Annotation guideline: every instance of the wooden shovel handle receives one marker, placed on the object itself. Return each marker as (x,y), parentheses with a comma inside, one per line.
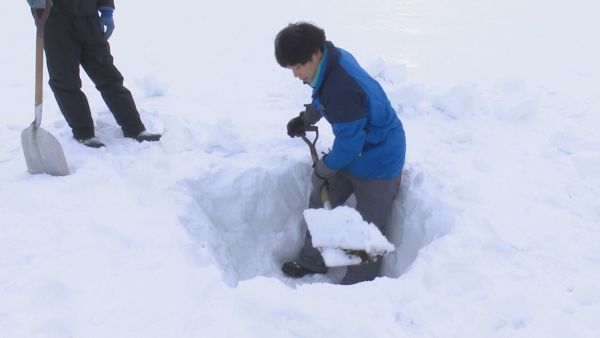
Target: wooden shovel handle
(40,16)
(39,70)
(312,144)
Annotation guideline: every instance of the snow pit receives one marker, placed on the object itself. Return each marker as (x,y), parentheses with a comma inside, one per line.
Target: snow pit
(251,220)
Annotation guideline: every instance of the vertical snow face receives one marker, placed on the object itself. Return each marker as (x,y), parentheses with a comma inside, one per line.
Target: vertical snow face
(417,219)
(249,218)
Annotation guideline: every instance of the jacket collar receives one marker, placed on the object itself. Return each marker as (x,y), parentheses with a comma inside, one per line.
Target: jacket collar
(330,57)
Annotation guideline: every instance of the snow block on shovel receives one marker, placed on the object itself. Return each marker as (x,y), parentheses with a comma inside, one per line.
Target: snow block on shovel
(340,232)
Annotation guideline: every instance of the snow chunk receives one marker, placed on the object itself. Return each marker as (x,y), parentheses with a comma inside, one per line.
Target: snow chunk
(514,101)
(343,228)
(335,257)
(151,87)
(224,139)
(462,102)
(393,74)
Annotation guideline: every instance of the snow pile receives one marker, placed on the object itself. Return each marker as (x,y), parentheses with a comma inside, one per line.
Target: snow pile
(340,229)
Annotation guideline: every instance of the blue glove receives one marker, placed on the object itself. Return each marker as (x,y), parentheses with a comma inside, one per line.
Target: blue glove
(37,4)
(106,20)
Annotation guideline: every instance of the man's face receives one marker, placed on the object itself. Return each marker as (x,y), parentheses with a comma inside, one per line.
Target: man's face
(306,72)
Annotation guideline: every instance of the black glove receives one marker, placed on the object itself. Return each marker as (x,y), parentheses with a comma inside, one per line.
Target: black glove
(296,126)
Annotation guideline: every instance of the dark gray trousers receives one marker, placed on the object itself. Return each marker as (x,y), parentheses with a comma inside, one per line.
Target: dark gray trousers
(71,41)
(374,200)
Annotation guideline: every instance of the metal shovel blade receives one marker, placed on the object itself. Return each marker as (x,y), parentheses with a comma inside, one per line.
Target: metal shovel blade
(43,153)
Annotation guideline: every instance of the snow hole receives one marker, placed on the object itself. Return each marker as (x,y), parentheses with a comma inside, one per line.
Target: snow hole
(250,220)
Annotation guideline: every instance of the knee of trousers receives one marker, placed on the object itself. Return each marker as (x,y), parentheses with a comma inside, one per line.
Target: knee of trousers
(314,201)
(65,85)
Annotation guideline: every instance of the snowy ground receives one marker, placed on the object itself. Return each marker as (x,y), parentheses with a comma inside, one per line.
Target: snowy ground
(498,222)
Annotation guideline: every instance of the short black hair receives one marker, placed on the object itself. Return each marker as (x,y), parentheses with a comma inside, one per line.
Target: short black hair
(296,43)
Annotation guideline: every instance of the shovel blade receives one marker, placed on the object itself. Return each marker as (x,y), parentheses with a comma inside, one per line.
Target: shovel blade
(43,153)
(31,151)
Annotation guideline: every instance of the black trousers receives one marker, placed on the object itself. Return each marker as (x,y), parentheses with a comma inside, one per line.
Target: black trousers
(71,41)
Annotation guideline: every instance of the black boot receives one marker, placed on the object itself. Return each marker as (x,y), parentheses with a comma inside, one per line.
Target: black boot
(295,270)
(145,136)
(91,142)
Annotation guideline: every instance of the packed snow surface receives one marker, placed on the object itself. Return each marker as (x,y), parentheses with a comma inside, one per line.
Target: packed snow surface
(497,222)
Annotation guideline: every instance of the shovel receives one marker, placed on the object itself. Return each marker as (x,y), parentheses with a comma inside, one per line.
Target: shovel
(343,248)
(43,153)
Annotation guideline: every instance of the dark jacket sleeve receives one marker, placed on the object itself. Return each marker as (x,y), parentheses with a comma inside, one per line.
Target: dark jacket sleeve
(344,103)
(106,3)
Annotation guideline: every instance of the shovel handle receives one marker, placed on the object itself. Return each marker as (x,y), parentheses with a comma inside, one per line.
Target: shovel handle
(315,158)
(39,70)
(312,144)
(40,16)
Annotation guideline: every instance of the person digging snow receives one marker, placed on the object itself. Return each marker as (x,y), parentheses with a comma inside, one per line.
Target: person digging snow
(75,34)
(368,151)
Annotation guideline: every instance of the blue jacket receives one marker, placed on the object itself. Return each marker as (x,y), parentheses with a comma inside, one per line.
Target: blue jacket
(369,138)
